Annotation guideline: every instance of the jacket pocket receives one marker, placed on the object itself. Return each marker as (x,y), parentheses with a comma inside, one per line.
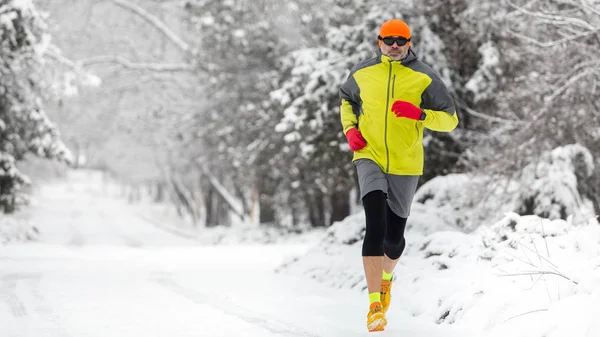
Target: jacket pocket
(419,130)
(403,134)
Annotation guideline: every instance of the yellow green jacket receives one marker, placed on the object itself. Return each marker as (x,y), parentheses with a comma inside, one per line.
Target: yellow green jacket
(395,144)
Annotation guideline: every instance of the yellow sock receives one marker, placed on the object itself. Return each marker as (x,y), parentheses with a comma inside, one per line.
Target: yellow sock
(374,297)
(386,276)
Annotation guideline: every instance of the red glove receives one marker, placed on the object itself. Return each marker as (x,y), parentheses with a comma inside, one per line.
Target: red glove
(407,110)
(355,139)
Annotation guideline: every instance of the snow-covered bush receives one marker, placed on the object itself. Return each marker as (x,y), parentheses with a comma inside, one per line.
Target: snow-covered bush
(12,230)
(548,188)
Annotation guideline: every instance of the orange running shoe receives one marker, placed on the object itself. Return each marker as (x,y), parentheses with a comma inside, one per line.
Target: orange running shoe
(376,318)
(386,289)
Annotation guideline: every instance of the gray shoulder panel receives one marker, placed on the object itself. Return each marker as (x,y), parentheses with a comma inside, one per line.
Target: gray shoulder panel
(421,67)
(436,95)
(366,63)
(350,91)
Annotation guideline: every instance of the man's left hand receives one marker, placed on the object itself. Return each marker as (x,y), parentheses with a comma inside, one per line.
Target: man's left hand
(407,110)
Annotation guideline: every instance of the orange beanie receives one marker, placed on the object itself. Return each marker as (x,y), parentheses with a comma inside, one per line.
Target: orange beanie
(394,27)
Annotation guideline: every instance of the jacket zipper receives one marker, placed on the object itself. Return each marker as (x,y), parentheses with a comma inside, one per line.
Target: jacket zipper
(387,106)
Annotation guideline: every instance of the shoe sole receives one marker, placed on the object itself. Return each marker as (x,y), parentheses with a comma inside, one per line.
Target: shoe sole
(377,325)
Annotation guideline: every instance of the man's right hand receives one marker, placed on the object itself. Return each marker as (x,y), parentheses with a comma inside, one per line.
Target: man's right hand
(355,139)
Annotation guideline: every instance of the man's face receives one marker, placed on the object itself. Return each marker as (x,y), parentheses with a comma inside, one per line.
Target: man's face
(395,51)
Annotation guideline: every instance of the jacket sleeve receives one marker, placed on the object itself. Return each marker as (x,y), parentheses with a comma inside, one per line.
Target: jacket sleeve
(438,107)
(351,103)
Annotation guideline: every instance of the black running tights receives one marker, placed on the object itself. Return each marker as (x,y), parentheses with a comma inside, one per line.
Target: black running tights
(385,229)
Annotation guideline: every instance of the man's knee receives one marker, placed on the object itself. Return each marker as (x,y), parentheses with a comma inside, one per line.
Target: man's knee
(394,249)
(394,242)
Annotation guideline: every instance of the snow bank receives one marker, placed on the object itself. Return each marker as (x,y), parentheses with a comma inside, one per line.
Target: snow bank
(547,188)
(545,270)
(12,230)
(472,260)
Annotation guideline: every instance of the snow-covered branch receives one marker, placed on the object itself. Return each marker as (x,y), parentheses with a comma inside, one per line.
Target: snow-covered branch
(472,112)
(235,205)
(136,66)
(570,82)
(59,58)
(157,67)
(589,8)
(554,43)
(156,23)
(554,19)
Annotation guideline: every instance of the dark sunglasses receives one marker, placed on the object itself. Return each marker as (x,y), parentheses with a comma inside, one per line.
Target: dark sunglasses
(389,40)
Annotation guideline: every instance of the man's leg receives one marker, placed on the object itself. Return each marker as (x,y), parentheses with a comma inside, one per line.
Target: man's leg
(372,251)
(394,242)
(388,266)
(375,206)
(373,191)
(401,192)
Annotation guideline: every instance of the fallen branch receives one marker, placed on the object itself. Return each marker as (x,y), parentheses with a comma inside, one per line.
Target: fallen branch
(545,259)
(541,272)
(525,313)
(232,201)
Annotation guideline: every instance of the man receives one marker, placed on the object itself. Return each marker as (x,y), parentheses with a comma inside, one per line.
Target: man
(387,101)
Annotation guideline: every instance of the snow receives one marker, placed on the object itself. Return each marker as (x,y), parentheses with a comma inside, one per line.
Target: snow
(99,269)
(100,266)
(483,280)
(547,188)
(485,80)
(15,230)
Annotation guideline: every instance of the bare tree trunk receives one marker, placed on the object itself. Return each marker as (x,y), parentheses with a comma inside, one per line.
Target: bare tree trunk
(211,216)
(159,194)
(316,208)
(266,197)
(340,204)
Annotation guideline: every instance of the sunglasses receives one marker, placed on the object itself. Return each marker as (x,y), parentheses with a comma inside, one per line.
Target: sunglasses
(389,40)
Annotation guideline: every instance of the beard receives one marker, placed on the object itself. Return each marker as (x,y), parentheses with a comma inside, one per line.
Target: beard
(397,54)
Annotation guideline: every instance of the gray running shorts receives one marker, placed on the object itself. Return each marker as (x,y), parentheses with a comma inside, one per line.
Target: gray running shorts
(400,189)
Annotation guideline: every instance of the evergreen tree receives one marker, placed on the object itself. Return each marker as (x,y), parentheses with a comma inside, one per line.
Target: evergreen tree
(24,126)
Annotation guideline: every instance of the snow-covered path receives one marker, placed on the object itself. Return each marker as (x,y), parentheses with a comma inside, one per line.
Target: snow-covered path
(101,270)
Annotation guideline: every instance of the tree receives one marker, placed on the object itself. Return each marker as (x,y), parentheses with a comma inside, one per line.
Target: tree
(24,126)
(542,83)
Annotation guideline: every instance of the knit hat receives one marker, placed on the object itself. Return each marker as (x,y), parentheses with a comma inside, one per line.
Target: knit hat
(394,27)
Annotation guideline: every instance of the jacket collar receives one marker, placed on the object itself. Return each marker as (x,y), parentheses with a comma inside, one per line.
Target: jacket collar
(410,56)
